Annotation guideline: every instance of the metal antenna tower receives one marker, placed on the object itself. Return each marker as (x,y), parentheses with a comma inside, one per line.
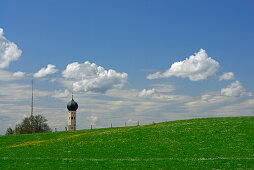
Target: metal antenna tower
(32,102)
(32,107)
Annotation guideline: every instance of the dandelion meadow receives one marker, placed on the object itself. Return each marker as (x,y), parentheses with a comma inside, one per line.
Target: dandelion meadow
(207,143)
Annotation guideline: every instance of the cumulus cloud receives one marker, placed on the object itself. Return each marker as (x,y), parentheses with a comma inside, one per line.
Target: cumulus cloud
(61,94)
(8,51)
(145,93)
(50,69)
(227,76)
(217,98)
(196,67)
(235,89)
(19,74)
(90,77)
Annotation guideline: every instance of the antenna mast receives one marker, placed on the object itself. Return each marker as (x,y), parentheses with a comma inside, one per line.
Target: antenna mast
(32,102)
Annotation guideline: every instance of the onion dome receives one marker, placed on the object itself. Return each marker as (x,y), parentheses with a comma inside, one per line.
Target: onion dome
(72,105)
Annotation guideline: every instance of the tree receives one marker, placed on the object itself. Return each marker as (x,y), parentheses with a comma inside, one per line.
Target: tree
(40,124)
(32,124)
(9,131)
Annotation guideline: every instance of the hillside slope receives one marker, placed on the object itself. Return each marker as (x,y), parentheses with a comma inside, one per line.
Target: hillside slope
(196,143)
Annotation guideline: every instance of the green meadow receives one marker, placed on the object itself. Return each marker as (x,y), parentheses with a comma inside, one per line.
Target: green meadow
(206,143)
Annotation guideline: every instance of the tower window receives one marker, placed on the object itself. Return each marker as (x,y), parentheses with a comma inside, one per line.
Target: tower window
(71,117)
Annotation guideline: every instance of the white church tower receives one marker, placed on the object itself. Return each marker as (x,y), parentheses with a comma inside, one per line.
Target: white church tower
(72,106)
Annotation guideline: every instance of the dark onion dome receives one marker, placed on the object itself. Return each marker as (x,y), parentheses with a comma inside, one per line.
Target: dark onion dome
(72,105)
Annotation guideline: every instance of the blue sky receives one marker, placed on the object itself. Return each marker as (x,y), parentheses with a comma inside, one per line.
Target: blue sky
(135,39)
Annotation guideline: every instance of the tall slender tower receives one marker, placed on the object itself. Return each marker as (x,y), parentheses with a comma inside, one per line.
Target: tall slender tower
(32,108)
(32,101)
(72,107)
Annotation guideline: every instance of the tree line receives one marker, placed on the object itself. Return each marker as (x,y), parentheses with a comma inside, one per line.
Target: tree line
(31,124)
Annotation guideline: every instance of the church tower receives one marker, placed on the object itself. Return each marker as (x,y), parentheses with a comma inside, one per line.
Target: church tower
(72,107)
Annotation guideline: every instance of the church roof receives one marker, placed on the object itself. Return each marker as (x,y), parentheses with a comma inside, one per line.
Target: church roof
(72,105)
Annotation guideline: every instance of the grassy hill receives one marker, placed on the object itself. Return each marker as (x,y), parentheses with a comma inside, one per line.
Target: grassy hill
(186,144)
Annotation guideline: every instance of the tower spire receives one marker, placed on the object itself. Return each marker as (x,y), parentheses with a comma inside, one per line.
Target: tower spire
(32,102)
(72,107)
(72,95)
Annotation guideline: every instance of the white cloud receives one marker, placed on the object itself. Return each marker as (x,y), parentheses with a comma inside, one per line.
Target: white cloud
(8,51)
(217,98)
(164,88)
(93,118)
(196,67)
(60,94)
(204,102)
(90,77)
(50,69)
(19,74)
(235,89)
(227,76)
(9,76)
(244,108)
(145,93)
(18,92)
